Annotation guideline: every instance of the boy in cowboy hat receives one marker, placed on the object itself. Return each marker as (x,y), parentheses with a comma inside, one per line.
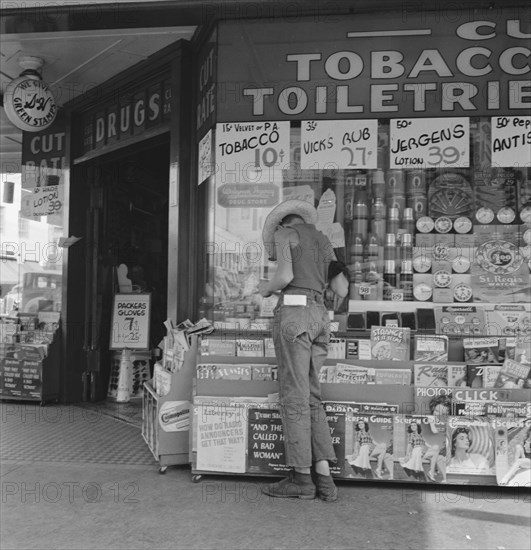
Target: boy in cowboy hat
(301,335)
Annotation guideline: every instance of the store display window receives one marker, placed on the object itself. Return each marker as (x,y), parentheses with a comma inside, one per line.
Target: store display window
(421,210)
(32,214)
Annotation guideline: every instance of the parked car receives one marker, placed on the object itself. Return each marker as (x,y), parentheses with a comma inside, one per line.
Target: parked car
(39,291)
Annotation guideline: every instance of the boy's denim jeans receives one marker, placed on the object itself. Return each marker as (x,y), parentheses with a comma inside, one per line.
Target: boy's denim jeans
(301,335)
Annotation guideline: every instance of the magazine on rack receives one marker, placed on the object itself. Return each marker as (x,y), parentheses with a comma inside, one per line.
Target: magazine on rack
(493,409)
(221,371)
(481,350)
(369,446)
(513,452)
(266,452)
(391,343)
(470,447)
(482,376)
(427,374)
(432,348)
(514,375)
(336,415)
(420,448)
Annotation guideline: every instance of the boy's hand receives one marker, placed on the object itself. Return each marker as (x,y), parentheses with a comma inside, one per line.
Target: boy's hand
(263,288)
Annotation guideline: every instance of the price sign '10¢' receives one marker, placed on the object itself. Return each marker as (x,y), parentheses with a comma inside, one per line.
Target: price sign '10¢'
(339,144)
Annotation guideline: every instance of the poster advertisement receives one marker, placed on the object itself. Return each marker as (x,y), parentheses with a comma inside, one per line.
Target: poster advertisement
(130,321)
(511,141)
(221,438)
(430,143)
(339,144)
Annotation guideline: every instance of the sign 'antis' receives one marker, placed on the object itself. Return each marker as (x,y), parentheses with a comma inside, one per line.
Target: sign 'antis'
(511,141)
(430,143)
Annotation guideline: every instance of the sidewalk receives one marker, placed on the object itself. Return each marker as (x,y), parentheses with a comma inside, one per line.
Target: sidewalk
(74,478)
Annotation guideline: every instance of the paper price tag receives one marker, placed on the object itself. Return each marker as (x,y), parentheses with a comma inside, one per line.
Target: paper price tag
(397,296)
(365,290)
(430,143)
(339,144)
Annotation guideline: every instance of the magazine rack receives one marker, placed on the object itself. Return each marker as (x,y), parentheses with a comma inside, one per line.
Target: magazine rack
(226,394)
(166,418)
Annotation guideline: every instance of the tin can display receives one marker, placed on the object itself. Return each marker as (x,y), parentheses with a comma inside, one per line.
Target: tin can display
(419,204)
(397,201)
(395,182)
(415,182)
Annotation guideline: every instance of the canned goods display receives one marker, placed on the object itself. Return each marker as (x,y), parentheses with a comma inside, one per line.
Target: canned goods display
(415,182)
(395,182)
(419,204)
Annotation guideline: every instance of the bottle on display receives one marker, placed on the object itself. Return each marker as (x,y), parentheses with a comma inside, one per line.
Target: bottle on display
(356,249)
(408,221)
(360,214)
(378,215)
(406,279)
(349,200)
(356,278)
(372,248)
(378,185)
(406,247)
(389,278)
(390,247)
(393,220)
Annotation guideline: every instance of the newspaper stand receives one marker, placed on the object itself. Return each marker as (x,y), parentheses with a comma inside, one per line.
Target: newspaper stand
(168,441)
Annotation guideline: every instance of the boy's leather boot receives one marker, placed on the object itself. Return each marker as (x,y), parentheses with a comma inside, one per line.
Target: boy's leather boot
(326,488)
(296,485)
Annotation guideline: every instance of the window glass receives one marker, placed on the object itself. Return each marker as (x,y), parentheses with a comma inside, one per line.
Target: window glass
(32,216)
(432,235)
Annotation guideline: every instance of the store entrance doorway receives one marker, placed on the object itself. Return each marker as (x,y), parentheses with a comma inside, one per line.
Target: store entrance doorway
(126,228)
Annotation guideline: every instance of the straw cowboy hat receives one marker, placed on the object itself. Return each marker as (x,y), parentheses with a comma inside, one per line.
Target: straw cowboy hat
(304,209)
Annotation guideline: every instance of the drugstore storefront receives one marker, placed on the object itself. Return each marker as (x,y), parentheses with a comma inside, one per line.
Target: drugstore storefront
(409,132)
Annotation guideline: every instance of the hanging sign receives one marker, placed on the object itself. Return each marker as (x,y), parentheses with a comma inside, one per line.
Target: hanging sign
(43,201)
(429,143)
(511,141)
(130,321)
(339,144)
(29,104)
(251,152)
